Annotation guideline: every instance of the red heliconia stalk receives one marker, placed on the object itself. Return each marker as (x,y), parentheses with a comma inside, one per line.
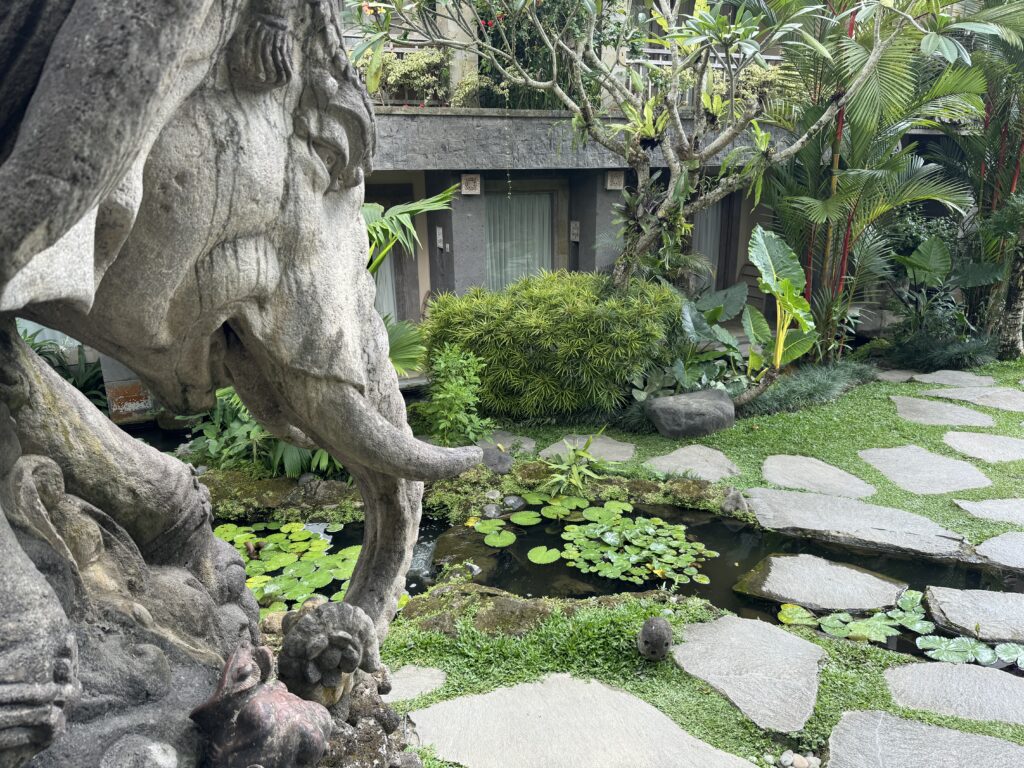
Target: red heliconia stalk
(999,167)
(844,262)
(981,185)
(1016,170)
(809,269)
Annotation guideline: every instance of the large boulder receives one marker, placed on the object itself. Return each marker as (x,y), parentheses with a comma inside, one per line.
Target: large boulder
(691,414)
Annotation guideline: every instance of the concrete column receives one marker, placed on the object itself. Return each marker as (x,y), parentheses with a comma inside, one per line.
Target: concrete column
(463,64)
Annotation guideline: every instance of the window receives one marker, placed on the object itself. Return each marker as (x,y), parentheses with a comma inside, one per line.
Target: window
(520,238)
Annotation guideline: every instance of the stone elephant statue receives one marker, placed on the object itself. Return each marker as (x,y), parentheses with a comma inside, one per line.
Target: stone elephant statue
(180,188)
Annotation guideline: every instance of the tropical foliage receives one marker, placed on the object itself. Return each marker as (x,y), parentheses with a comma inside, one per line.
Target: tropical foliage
(450,414)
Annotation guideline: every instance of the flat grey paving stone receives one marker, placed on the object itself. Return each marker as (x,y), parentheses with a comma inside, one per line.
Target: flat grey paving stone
(602,447)
(1002,398)
(411,681)
(855,523)
(914,469)
(920,411)
(895,375)
(990,448)
(509,441)
(697,460)
(770,674)
(562,722)
(961,690)
(995,617)
(807,474)
(1005,551)
(820,585)
(871,739)
(954,379)
(1003,510)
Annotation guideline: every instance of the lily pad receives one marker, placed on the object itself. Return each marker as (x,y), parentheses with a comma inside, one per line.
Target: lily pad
(499,539)
(599,514)
(556,512)
(536,498)
(543,555)
(957,650)
(334,528)
(790,613)
(526,517)
(1011,652)
(489,526)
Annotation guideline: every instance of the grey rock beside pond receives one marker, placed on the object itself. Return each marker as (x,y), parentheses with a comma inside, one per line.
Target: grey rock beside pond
(770,674)
(960,690)
(855,523)
(807,474)
(1005,551)
(691,414)
(995,617)
(871,739)
(820,585)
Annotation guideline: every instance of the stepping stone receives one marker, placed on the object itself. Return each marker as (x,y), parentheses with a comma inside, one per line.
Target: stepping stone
(921,411)
(896,376)
(872,739)
(1003,510)
(602,447)
(807,474)
(854,523)
(990,448)
(698,460)
(960,690)
(1005,551)
(770,674)
(954,379)
(411,681)
(560,722)
(820,585)
(995,617)
(509,441)
(1002,398)
(914,469)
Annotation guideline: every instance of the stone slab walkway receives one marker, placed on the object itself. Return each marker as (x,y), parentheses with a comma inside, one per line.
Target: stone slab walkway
(1001,398)
(852,522)
(995,617)
(990,448)
(914,469)
(1002,510)
(954,379)
(961,690)
(411,681)
(509,441)
(807,474)
(562,722)
(700,461)
(820,585)
(602,447)
(895,375)
(932,412)
(879,740)
(770,674)
(1005,551)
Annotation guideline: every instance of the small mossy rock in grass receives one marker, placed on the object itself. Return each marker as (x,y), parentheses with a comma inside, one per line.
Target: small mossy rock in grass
(654,639)
(513,503)
(691,414)
(494,610)
(508,615)
(496,459)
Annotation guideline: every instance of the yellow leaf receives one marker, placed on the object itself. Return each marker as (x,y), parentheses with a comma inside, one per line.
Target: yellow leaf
(472,522)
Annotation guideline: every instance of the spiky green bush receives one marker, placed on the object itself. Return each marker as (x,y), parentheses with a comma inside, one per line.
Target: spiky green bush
(558,343)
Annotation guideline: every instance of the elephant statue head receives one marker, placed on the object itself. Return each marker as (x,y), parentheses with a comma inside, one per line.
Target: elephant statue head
(226,246)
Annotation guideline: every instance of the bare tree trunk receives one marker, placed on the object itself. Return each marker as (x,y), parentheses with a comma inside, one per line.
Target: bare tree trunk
(757,390)
(1011,342)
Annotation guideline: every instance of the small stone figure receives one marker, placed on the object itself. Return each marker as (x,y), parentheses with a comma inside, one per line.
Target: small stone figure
(654,639)
(249,721)
(324,644)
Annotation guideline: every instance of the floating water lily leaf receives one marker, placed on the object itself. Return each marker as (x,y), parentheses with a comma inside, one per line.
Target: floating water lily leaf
(489,526)
(618,506)
(877,629)
(700,578)
(225,531)
(298,594)
(292,527)
(556,512)
(255,567)
(599,514)
(279,560)
(500,539)
(570,502)
(277,607)
(543,555)
(318,580)
(1011,652)
(956,650)
(835,624)
(791,613)
(257,581)
(344,571)
(471,522)
(536,498)
(526,517)
(302,535)
(334,527)
(338,596)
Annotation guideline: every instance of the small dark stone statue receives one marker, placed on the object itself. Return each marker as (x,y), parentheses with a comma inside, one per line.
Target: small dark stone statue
(654,639)
(249,721)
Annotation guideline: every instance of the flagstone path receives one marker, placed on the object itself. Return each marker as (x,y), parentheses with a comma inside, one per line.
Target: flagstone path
(914,469)
(601,447)
(808,474)
(697,460)
(919,411)
(961,690)
(411,681)
(995,617)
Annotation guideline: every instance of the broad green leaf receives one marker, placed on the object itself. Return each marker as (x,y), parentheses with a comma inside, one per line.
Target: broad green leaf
(755,326)
(956,650)
(775,261)
(729,302)
(555,512)
(543,555)
(489,526)
(798,343)
(526,517)
(790,613)
(500,539)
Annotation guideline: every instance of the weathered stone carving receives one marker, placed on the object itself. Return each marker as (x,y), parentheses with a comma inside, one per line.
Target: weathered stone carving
(180,188)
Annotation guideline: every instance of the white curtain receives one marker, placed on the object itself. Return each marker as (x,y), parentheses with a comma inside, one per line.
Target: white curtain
(385,302)
(519,238)
(707,237)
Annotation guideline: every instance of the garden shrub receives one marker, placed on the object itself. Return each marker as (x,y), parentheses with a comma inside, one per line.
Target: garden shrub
(450,415)
(558,343)
(928,351)
(809,385)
